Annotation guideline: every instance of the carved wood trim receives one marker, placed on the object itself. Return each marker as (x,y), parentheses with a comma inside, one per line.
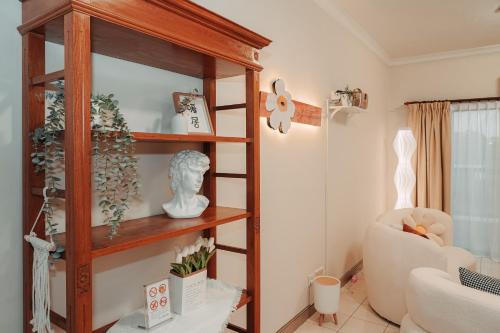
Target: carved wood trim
(83,279)
(182,8)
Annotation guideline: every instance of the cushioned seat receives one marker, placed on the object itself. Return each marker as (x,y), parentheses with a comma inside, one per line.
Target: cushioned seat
(389,255)
(437,304)
(458,257)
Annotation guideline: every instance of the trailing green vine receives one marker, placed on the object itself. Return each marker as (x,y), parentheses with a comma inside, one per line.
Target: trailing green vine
(115,166)
(48,151)
(114,163)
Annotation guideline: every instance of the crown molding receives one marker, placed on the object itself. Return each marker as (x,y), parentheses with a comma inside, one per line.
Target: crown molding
(445,55)
(348,23)
(351,25)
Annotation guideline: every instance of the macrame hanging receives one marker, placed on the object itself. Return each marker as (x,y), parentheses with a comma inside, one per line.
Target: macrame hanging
(40,295)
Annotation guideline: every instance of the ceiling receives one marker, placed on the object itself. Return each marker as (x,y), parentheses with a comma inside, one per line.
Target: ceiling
(403,29)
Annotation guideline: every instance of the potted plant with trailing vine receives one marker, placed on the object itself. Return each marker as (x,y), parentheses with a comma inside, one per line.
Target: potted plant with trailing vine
(114,164)
(188,275)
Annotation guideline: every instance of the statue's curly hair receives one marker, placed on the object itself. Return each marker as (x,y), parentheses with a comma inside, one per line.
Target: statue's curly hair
(184,159)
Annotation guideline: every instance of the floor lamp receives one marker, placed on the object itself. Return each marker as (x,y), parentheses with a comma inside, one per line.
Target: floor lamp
(404,145)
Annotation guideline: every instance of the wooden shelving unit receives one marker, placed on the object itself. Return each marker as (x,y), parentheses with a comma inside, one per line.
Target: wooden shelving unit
(175,35)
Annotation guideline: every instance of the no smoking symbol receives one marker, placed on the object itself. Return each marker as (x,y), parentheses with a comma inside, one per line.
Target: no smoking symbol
(153,291)
(154,305)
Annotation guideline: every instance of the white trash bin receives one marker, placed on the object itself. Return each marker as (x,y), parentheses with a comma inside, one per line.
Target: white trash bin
(326,290)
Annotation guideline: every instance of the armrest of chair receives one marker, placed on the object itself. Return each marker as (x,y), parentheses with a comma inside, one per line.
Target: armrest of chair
(439,305)
(401,251)
(389,255)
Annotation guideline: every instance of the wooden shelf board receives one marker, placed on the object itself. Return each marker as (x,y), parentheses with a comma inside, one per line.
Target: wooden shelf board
(168,137)
(165,137)
(147,230)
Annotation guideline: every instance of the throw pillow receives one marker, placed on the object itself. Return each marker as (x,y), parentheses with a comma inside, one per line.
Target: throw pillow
(479,281)
(407,228)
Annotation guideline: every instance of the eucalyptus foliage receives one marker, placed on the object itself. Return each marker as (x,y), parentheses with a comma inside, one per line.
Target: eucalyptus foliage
(48,151)
(115,166)
(114,163)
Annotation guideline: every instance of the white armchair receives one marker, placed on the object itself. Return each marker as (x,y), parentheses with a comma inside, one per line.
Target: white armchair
(438,304)
(389,255)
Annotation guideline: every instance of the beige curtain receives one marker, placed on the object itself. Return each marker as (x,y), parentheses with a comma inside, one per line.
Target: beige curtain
(431,126)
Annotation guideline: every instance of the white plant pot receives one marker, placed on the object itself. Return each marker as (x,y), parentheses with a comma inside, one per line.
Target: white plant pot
(326,291)
(187,293)
(179,124)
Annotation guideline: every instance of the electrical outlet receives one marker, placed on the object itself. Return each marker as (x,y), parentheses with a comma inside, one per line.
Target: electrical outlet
(317,272)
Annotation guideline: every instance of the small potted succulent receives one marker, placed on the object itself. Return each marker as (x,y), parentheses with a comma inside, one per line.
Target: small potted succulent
(188,275)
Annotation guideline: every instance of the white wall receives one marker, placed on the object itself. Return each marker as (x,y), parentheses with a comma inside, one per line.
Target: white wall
(465,77)
(302,227)
(10,169)
(314,55)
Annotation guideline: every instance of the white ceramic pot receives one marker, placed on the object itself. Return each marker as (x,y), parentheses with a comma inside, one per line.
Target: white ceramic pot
(326,291)
(187,293)
(179,123)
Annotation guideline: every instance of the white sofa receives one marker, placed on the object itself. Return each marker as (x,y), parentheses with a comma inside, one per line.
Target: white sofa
(389,255)
(438,304)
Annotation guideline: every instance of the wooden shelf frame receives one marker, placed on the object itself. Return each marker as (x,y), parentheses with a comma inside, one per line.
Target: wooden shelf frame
(175,35)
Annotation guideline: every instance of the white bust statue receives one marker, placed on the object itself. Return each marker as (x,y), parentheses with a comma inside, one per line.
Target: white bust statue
(186,173)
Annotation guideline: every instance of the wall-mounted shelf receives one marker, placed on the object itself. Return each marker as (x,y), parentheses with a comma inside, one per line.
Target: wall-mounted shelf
(350,101)
(350,110)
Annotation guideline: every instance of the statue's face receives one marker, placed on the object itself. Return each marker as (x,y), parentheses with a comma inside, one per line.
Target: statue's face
(192,180)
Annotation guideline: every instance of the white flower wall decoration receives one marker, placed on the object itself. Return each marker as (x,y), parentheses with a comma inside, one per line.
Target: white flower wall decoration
(281,106)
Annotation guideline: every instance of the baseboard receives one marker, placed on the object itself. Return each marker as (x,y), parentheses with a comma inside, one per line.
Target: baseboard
(298,320)
(309,310)
(346,277)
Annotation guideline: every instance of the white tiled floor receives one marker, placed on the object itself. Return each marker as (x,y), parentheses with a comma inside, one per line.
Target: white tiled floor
(355,315)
